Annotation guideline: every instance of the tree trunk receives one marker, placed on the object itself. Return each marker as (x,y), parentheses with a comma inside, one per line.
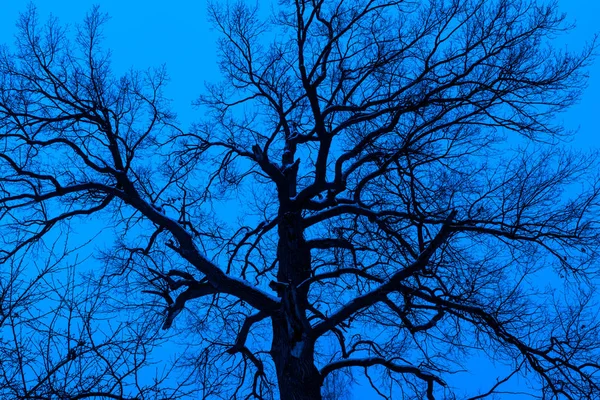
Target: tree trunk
(292,350)
(298,377)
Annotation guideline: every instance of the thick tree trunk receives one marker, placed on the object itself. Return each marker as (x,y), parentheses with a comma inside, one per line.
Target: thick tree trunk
(297,375)
(292,350)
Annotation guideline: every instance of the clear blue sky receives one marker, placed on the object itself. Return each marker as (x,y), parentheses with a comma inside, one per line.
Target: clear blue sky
(144,34)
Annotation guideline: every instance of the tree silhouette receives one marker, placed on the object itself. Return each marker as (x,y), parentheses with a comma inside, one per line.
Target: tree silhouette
(376,188)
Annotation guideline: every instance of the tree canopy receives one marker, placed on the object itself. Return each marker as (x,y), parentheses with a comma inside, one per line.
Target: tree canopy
(375,190)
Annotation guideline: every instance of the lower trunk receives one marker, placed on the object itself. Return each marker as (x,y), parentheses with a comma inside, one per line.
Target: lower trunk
(297,375)
(292,351)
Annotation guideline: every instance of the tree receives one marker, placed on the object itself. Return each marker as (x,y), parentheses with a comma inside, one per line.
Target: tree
(405,197)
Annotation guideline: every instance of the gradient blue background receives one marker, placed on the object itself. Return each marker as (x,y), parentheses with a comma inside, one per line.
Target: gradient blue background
(176,33)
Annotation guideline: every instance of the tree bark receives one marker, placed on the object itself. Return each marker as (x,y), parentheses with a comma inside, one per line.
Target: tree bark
(297,376)
(292,349)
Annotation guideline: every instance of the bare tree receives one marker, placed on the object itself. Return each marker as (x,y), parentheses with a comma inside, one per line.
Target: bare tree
(404,197)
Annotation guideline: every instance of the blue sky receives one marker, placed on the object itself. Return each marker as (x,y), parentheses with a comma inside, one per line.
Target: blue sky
(144,34)
(586,14)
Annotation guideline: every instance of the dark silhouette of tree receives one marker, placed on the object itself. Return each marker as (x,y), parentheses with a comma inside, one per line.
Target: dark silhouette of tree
(377,189)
